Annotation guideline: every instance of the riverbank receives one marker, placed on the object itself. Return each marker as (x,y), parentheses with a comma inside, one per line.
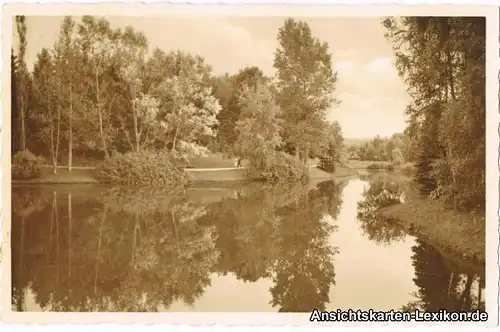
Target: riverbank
(78,175)
(85,175)
(459,234)
(367,165)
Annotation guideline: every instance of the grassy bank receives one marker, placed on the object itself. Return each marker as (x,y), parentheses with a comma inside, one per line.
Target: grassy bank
(459,234)
(63,176)
(223,170)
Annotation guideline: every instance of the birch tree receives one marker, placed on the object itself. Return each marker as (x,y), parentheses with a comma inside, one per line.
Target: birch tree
(98,43)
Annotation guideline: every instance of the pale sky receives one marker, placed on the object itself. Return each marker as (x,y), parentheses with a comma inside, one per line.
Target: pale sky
(373,97)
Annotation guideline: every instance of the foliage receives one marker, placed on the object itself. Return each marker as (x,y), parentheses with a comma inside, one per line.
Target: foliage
(281,168)
(442,59)
(332,147)
(228,90)
(327,164)
(381,193)
(258,127)
(96,92)
(141,168)
(123,102)
(26,165)
(190,110)
(398,148)
(305,84)
(23,83)
(443,284)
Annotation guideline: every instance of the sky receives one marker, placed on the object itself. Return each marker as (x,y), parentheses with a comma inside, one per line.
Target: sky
(373,97)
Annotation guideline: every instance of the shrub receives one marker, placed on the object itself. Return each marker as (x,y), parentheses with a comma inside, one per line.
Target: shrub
(26,165)
(380,194)
(280,168)
(375,166)
(380,167)
(327,164)
(145,167)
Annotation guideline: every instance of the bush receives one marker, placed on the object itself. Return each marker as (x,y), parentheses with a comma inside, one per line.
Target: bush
(380,167)
(281,168)
(408,168)
(327,164)
(26,165)
(145,167)
(380,194)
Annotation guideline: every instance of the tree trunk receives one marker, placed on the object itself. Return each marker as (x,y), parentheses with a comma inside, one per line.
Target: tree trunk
(175,138)
(306,155)
(70,221)
(70,139)
(99,248)
(99,111)
(57,237)
(56,151)
(136,127)
(23,132)
(466,298)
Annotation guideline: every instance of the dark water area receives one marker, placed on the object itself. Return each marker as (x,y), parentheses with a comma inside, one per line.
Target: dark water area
(238,248)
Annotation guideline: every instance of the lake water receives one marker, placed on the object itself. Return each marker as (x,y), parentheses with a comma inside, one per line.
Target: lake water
(226,247)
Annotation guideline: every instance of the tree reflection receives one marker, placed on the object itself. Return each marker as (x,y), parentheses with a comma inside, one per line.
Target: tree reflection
(127,253)
(442,284)
(144,249)
(247,226)
(304,269)
(25,203)
(381,193)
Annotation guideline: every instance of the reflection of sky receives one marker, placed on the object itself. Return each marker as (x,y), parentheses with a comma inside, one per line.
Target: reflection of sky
(229,294)
(367,274)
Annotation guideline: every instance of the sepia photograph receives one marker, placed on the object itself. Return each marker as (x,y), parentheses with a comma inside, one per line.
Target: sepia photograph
(281,162)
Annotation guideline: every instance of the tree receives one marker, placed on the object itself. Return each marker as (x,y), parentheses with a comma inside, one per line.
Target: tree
(228,90)
(258,127)
(66,48)
(98,43)
(45,92)
(305,84)
(188,108)
(332,147)
(132,49)
(14,109)
(23,79)
(442,61)
(63,60)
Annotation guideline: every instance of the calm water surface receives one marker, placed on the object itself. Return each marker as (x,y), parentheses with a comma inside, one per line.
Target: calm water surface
(233,248)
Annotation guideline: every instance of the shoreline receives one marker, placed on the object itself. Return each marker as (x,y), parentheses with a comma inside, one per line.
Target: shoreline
(86,176)
(459,235)
(439,228)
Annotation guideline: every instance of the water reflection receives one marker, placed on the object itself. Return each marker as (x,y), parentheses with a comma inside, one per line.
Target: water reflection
(275,249)
(442,282)
(380,192)
(139,250)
